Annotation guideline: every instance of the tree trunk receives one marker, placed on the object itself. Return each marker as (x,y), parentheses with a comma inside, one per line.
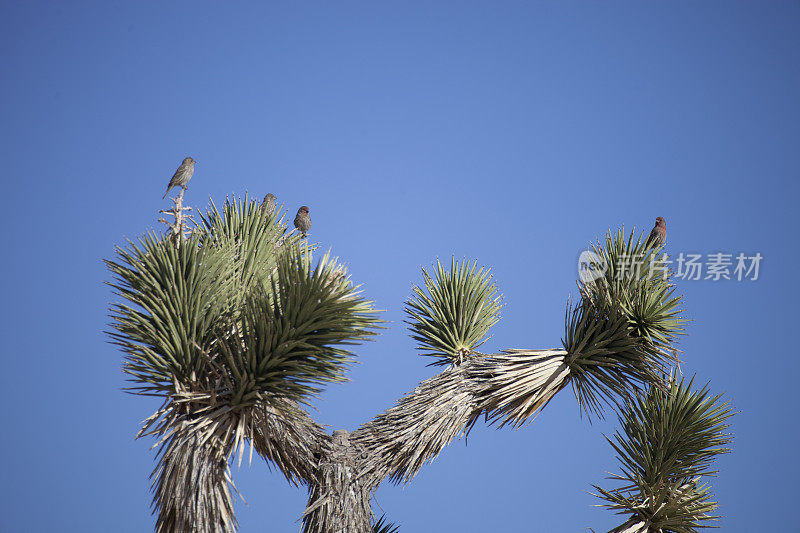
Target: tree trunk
(192,492)
(339,502)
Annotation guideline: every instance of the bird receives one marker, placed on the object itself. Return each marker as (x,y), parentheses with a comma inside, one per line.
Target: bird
(181,176)
(268,205)
(658,235)
(302,221)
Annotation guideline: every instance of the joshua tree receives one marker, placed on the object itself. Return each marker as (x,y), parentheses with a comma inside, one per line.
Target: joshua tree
(670,437)
(236,327)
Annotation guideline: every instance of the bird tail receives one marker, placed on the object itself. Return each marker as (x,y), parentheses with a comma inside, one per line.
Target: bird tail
(165,194)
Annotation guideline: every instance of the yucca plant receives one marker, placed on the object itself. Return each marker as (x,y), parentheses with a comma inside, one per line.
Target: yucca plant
(236,327)
(618,340)
(666,447)
(229,326)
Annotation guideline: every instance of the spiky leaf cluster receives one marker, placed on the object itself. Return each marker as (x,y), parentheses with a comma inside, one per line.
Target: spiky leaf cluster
(637,281)
(668,442)
(451,314)
(292,336)
(238,305)
(174,300)
(620,333)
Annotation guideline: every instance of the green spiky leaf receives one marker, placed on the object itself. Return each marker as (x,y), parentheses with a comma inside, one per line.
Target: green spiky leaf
(175,298)
(292,335)
(382,526)
(450,316)
(668,442)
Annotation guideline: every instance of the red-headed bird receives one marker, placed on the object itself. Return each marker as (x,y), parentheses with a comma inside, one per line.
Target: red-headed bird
(658,235)
(302,221)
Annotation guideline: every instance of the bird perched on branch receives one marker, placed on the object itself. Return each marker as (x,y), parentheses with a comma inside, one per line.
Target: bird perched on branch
(182,175)
(268,205)
(658,235)
(302,221)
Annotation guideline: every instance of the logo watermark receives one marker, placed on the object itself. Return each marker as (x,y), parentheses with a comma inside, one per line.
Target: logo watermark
(687,266)
(591,266)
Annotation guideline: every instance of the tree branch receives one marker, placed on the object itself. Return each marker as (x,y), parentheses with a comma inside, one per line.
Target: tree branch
(509,387)
(286,436)
(179,228)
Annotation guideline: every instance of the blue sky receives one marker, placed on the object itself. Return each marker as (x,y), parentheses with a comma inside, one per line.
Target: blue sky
(512,133)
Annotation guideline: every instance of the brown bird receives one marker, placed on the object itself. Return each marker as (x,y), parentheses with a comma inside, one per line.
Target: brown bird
(658,235)
(268,205)
(302,221)
(182,175)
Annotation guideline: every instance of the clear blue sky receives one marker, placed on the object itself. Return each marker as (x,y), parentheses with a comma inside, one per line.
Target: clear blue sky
(510,133)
